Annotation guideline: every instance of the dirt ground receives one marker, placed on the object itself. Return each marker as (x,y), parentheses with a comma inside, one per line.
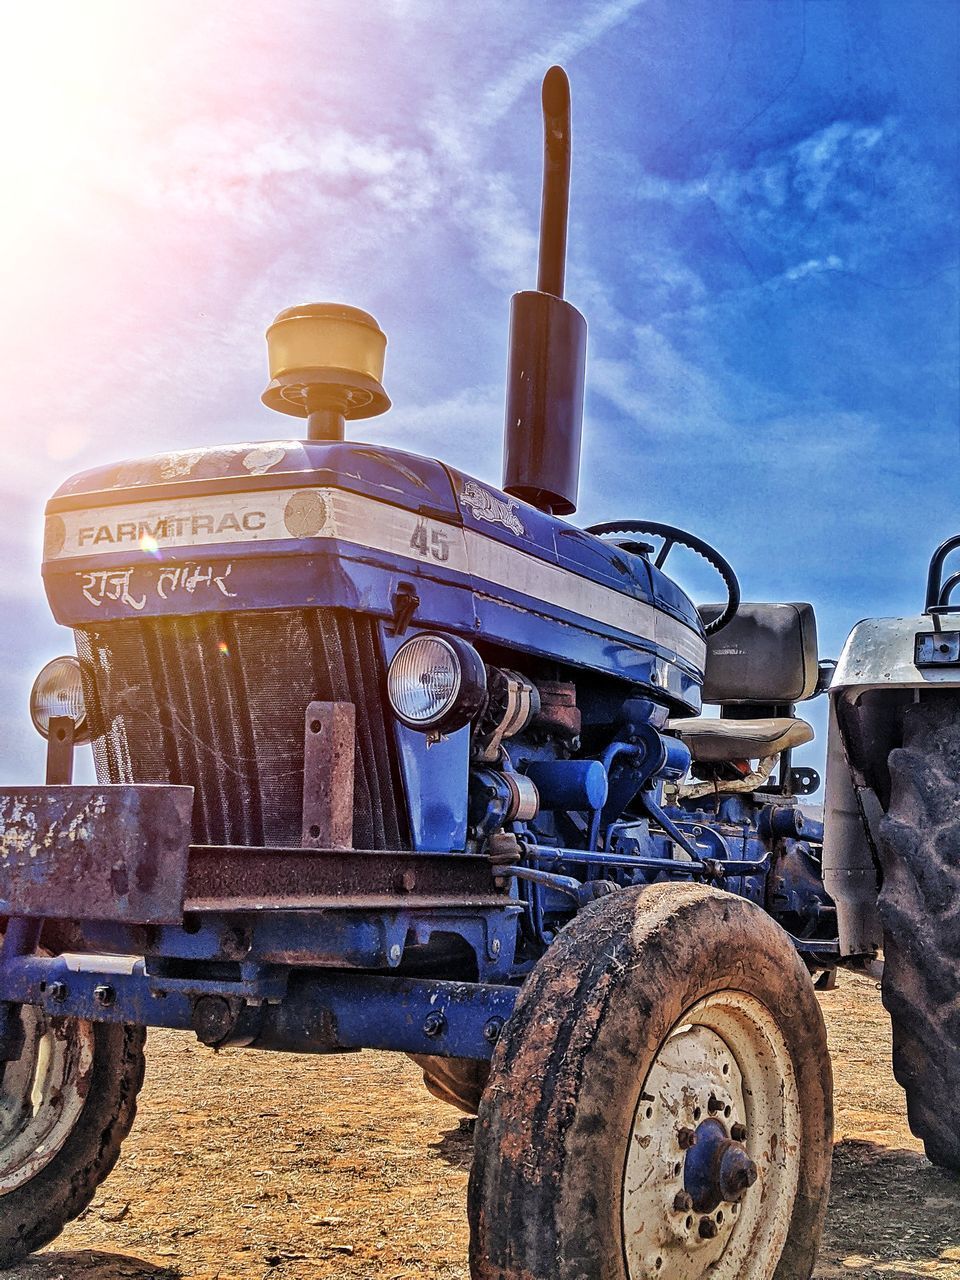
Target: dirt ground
(257,1165)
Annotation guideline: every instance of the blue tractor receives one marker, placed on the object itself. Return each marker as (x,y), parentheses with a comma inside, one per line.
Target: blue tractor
(390,758)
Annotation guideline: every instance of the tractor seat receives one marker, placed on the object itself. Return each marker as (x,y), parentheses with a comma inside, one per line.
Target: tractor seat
(713,741)
(763,662)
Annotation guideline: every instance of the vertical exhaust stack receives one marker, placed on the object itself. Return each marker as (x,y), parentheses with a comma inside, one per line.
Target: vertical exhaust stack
(548,341)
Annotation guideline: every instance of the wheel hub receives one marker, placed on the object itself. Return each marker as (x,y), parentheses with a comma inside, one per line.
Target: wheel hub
(711,1166)
(717,1170)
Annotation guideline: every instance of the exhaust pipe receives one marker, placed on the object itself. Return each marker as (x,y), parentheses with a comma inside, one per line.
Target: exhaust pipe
(548,341)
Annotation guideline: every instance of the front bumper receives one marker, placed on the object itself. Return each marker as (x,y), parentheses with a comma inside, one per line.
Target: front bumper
(113,915)
(95,853)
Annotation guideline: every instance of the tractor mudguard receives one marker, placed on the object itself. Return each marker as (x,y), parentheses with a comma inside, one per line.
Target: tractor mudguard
(95,852)
(893,653)
(883,661)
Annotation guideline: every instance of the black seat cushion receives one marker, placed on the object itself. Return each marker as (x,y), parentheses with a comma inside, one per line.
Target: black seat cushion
(767,654)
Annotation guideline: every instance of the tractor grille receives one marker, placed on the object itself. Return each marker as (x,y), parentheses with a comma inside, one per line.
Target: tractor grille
(218,701)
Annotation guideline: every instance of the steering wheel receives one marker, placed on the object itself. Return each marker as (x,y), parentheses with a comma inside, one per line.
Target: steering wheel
(679,537)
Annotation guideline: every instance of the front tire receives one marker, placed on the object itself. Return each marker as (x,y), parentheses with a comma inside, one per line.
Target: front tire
(65,1107)
(660,1022)
(920,852)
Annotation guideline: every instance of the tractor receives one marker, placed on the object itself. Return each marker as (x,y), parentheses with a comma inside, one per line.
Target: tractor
(390,758)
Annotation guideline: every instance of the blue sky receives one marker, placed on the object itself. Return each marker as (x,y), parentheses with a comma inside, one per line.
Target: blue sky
(763,239)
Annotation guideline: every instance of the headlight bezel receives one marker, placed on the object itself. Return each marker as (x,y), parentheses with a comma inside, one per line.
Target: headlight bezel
(81,726)
(469,693)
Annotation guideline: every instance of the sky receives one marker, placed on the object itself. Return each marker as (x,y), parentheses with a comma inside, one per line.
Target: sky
(764,241)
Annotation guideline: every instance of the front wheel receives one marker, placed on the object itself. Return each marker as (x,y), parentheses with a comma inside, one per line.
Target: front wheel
(66,1104)
(659,1103)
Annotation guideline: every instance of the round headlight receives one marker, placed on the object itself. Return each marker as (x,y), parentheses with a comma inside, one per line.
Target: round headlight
(58,691)
(436,682)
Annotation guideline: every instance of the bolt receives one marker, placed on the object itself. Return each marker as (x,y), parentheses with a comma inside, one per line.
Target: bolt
(395,953)
(738,1132)
(714,1105)
(492,1029)
(686,1138)
(104,996)
(495,946)
(213,1019)
(683,1202)
(235,943)
(434,1024)
(707,1229)
(59,991)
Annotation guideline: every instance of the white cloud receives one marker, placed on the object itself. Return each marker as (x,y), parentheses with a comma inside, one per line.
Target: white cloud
(814,266)
(464,430)
(838,195)
(591,26)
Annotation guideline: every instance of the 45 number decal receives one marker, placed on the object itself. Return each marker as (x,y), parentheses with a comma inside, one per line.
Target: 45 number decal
(430,543)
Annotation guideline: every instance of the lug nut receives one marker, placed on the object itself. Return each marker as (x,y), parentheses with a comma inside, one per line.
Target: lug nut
(707,1229)
(738,1132)
(683,1202)
(686,1138)
(714,1105)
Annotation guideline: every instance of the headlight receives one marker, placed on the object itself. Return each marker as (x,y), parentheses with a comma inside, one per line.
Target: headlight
(58,691)
(436,683)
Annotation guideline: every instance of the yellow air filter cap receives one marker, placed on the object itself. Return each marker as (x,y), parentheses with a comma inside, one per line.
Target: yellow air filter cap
(324,355)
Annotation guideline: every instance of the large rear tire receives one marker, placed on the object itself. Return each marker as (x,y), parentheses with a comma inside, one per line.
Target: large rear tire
(664,1029)
(65,1107)
(920,851)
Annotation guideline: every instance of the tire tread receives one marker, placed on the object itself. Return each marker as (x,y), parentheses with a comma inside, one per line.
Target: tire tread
(35,1214)
(919,905)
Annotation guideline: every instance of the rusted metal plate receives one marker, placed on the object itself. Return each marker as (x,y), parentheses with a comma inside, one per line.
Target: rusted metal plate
(95,853)
(223,878)
(330,736)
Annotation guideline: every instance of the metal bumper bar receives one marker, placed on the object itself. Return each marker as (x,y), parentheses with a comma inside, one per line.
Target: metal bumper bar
(123,854)
(307,1012)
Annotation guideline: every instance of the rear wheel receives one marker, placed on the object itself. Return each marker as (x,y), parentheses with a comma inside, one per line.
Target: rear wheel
(659,1103)
(65,1106)
(920,912)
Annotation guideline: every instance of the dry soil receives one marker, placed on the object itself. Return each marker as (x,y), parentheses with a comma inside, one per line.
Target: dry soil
(259,1165)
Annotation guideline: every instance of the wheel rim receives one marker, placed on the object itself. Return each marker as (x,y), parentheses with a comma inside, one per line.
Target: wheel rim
(720,1103)
(42,1094)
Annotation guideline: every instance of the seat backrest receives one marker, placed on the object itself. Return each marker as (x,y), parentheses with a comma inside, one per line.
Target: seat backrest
(767,654)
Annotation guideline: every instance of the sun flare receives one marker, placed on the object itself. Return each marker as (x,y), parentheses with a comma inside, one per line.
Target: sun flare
(60,70)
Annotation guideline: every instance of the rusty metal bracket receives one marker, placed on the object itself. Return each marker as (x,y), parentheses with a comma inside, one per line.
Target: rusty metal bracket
(61,735)
(95,853)
(329,746)
(236,878)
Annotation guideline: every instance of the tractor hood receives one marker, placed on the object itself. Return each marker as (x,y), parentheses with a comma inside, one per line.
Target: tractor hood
(294,524)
